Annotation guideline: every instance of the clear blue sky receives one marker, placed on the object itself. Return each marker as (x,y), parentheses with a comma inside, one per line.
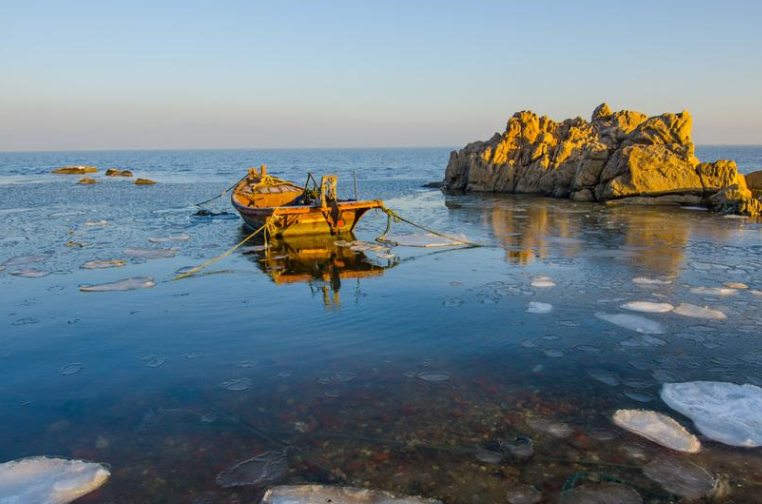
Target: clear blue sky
(283,73)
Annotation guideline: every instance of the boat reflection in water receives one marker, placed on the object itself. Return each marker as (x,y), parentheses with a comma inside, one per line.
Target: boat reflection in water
(322,261)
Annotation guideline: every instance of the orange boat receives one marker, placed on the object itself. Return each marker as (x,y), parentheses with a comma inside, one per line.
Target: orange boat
(295,210)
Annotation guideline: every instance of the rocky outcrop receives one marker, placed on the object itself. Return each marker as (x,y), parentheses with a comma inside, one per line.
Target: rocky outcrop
(75,170)
(616,156)
(113,172)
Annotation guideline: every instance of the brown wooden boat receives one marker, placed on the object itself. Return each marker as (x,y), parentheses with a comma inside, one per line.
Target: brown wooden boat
(295,210)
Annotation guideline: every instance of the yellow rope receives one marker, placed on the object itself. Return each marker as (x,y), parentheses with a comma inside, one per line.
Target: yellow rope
(394,215)
(267,227)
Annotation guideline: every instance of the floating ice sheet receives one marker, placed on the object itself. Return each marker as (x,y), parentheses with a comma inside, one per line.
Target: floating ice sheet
(650,281)
(312,494)
(127,284)
(262,469)
(691,310)
(714,291)
(539,308)
(632,322)
(27,259)
(680,477)
(29,273)
(44,480)
(659,428)
(725,412)
(434,376)
(648,307)
(424,240)
(543,282)
(150,253)
(113,263)
(171,238)
(605,377)
(601,493)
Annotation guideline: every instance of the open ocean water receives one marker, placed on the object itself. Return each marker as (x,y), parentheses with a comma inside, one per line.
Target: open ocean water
(405,369)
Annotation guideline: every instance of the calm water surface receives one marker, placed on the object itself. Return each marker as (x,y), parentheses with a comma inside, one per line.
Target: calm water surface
(385,370)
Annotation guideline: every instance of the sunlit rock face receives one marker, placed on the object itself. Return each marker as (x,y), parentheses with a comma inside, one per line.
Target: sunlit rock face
(614,156)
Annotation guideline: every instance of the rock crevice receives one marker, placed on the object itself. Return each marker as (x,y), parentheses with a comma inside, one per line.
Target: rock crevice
(614,156)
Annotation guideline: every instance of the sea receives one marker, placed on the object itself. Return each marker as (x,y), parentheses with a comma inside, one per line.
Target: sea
(463,374)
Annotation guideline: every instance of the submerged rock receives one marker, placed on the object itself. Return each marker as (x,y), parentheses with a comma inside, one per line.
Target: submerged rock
(600,493)
(121,285)
(262,469)
(659,428)
(321,494)
(523,494)
(45,480)
(632,322)
(680,477)
(725,412)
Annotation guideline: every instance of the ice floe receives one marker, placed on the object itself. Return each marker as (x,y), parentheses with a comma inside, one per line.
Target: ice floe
(434,376)
(643,341)
(648,307)
(736,285)
(650,281)
(714,291)
(659,428)
(29,273)
(237,384)
(680,477)
(126,284)
(27,259)
(424,240)
(265,468)
(691,310)
(311,494)
(605,377)
(543,282)
(113,263)
(171,238)
(46,480)
(73,368)
(539,308)
(632,322)
(150,253)
(600,493)
(556,429)
(725,412)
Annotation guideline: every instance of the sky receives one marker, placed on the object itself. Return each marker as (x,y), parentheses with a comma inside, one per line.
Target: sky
(108,74)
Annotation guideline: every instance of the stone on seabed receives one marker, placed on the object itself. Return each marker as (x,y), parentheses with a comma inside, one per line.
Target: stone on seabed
(620,156)
(312,494)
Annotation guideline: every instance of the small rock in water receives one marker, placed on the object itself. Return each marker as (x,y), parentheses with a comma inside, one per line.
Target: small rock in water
(237,384)
(680,477)
(539,308)
(648,307)
(725,412)
(714,291)
(73,368)
(600,493)
(45,480)
(632,322)
(29,273)
(28,259)
(488,456)
(691,310)
(523,494)
(434,376)
(150,253)
(650,281)
(127,284)
(113,263)
(322,494)
(659,428)
(178,237)
(262,469)
(543,282)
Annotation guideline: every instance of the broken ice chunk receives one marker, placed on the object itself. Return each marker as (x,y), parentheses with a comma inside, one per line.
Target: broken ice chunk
(425,240)
(543,282)
(150,253)
(714,291)
(262,469)
(171,238)
(45,480)
(632,322)
(691,310)
(29,273)
(28,259)
(648,307)
(680,477)
(650,281)
(312,494)
(121,285)
(113,263)
(659,428)
(539,308)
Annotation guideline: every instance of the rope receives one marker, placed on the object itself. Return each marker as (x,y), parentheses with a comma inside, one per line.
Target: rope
(391,214)
(223,193)
(267,228)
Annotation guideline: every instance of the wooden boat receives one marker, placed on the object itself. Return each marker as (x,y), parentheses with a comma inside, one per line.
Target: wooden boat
(296,210)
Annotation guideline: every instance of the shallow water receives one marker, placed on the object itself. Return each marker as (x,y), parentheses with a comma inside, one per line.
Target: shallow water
(386,369)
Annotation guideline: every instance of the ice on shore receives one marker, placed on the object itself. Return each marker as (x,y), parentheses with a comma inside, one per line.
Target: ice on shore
(311,494)
(45,480)
(632,322)
(680,477)
(648,307)
(659,428)
(127,284)
(539,308)
(725,412)
(691,310)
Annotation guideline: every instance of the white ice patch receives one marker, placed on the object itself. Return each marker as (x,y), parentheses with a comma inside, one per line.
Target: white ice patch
(724,412)
(113,263)
(648,307)
(171,238)
(691,310)
(659,428)
(632,322)
(29,259)
(650,281)
(424,240)
(121,285)
(543,282)
(539,308)
(44,480)
(310,494)
(150,253)
(680,477)
(714,291)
